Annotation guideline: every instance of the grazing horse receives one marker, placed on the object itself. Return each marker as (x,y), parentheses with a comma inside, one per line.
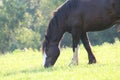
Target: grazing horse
(78,17)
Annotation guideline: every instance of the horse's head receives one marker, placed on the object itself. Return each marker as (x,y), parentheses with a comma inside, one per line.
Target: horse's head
(50,53)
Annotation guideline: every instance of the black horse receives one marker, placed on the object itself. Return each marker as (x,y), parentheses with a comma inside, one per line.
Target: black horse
(78,17)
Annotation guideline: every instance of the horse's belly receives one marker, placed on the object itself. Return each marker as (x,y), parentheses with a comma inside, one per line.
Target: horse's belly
(98,28)
(98,25)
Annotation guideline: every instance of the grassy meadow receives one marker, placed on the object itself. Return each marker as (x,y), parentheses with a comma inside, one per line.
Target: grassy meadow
(27,65)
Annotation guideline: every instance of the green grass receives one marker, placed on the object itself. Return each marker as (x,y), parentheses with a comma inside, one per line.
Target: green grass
(28,65)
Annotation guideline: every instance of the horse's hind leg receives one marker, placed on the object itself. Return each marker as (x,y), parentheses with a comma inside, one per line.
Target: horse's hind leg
(86,43)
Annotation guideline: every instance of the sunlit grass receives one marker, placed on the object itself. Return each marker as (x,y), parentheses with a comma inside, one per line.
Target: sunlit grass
(27,65)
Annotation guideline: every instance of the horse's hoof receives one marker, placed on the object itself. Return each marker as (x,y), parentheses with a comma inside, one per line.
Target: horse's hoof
(92,62)
(73,64)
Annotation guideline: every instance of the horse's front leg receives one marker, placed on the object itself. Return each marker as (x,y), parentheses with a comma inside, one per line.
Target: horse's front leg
(74,60)
(86,43)
(76,39)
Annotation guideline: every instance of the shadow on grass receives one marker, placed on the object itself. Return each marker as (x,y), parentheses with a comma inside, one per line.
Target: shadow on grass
(31,70)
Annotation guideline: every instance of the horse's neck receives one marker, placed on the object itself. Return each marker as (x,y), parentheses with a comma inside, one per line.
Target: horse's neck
(54,34)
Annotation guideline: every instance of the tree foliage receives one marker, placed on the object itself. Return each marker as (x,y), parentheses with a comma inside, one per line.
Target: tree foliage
(18,18)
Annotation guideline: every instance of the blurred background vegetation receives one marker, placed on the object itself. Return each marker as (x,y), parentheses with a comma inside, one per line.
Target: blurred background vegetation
(23,24)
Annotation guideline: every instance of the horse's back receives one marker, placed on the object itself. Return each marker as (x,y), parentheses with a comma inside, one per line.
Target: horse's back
(92,15)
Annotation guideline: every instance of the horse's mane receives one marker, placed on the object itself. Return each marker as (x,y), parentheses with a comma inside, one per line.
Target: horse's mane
(65,8)
(62,13)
